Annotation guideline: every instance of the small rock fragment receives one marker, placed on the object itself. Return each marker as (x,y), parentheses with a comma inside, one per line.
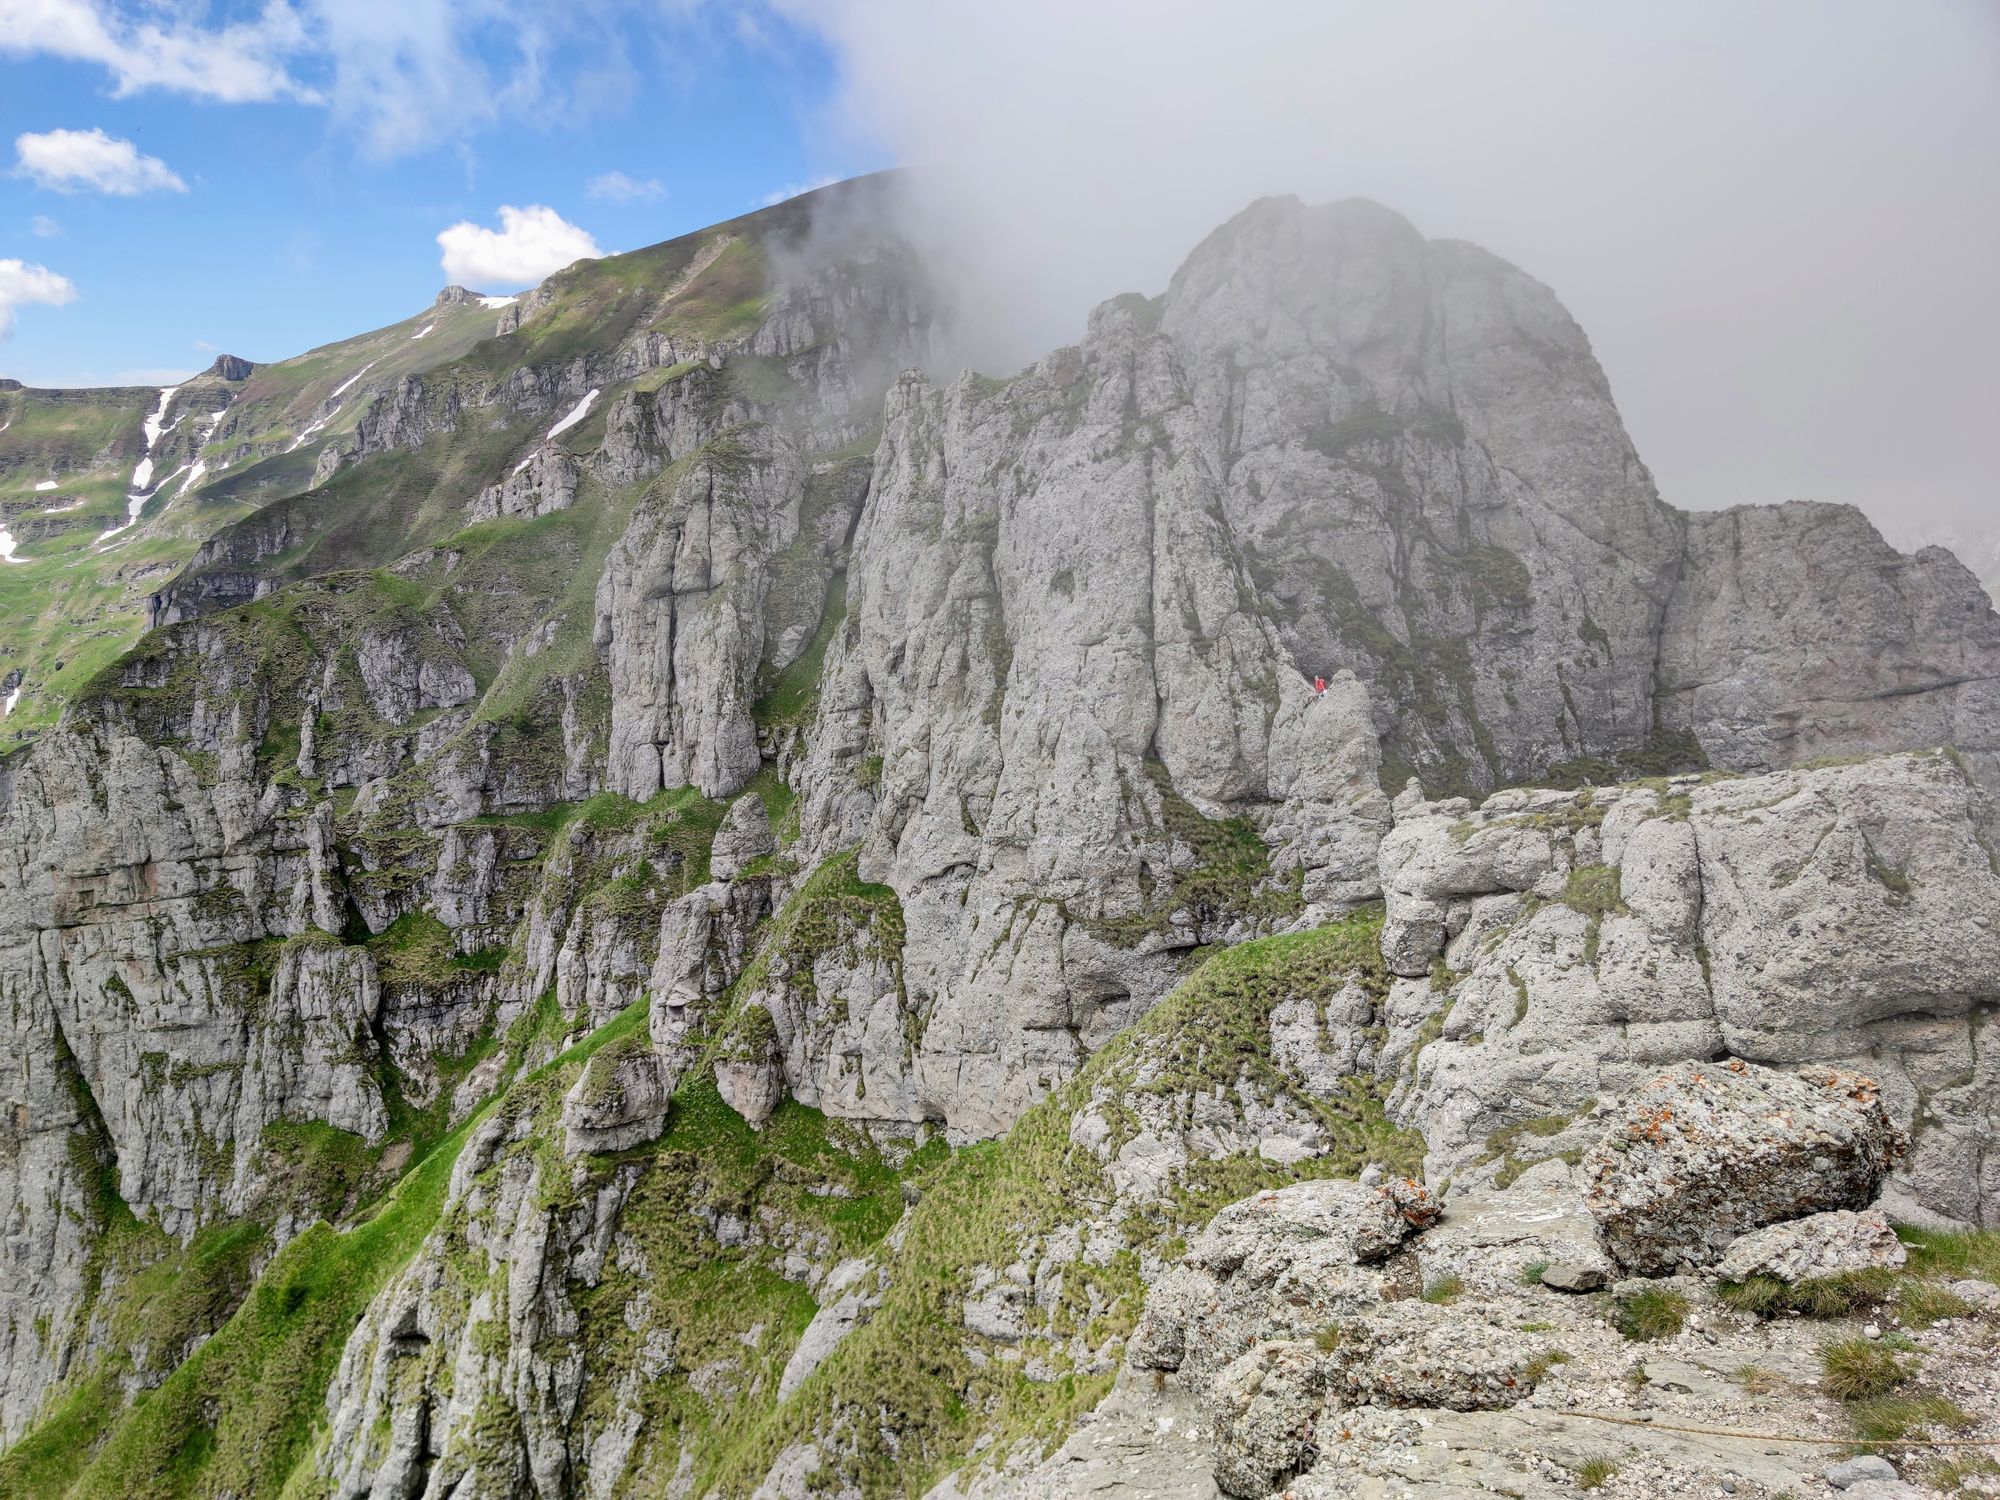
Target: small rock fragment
(1564,1278)
(1852,1471)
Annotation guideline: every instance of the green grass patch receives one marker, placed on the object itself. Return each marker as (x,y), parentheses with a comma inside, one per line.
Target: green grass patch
(1857,1368)
(1651,1314)
(1596,1473)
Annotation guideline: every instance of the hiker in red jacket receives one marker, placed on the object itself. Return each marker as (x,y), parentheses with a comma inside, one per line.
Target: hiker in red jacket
(1319,687)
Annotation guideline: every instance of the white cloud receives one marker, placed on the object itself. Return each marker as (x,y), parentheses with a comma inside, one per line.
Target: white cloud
(43,227)
(793,189)
(72,161)
(1751,279)
(237,63)
(531,243)
(22,284)
(401,75)
(618,188)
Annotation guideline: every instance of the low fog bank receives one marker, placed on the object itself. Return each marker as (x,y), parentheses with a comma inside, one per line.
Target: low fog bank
(1777,223)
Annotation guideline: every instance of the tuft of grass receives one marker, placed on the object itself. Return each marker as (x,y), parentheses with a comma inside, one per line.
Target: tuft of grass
(1531,1273)
(1954,1477)
(1443,1290)
(1539,1367)
(1952,1253)
(1328,1338)
(1922,1303)
(1596,1473)
(1881,1420)
(1839,1296)
(1858,1369)
(1652,1314)
(1595,890)
(1755,1379)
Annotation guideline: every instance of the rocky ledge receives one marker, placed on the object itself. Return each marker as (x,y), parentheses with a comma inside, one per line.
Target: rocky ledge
(1357,1341)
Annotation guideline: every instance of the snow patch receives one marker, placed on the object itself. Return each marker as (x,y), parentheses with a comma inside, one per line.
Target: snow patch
(156,423)
(194,478)
(135,503)
(498,301)
(422,331)
(12,698)
(577,414)
(46,484)
(341,389)
(155,426)
(313,429)
(7,547)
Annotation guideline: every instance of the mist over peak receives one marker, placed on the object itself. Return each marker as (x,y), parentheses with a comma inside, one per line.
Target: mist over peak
(1758,213)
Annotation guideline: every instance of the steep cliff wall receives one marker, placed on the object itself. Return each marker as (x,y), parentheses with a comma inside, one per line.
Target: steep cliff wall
(677,714)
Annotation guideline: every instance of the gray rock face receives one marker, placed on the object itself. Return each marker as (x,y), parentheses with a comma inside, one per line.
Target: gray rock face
(852,1291)
(1796,633)
(1706,1152)
(1306,504)
(1025,668)
(745,836)
(1571,944)
(620,1099)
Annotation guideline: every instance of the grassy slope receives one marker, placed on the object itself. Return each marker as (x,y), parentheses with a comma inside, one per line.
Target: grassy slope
(244,1414)
(908,1371)
(74,607)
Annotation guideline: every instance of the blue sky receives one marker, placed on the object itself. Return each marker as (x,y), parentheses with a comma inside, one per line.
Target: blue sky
(272,224)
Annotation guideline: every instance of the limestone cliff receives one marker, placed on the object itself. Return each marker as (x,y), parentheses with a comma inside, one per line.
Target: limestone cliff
(526,947)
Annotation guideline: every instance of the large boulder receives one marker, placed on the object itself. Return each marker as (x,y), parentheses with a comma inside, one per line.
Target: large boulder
(1828,1244)
(1707,1152)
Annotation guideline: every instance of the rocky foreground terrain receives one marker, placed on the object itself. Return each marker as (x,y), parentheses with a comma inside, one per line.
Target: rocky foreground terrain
(692,910)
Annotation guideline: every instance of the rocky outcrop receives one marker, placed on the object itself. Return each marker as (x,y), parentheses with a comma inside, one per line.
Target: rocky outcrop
(1796,633)
(1304,504)
(1298,1250)
(1570,945)
(543,483)
(1309,1345)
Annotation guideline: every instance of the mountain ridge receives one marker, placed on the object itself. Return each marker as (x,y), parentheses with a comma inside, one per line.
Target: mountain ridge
(684,787)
